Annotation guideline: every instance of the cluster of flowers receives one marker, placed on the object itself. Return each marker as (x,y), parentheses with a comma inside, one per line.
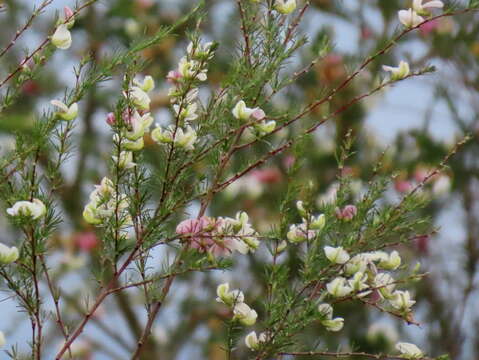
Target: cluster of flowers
(308,229)
(192,68)
(413,16)
(220,236)
(136,121)
(363,277)
(241,312)
(104,203)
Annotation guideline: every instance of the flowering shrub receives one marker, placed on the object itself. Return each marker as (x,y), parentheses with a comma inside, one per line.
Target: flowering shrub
(319,256)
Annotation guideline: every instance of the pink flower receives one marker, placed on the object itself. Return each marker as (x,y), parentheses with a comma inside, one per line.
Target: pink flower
(289,161)
(347,213)
(110,119)
(402,186)
(199,231)
(267,176)
(86,241)
(173,76)
(429,27)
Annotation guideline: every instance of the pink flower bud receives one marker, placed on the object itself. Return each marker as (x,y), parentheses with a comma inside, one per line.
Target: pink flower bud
(67,12)
(86,241)
(110,119)
(347,213)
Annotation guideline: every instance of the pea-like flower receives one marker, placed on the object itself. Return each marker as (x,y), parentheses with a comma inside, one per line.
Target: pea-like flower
(410,18)
(34,209)
(423,8)
(67,113)
(398,73)
(336,255)
(402,301)
(358,284)
(338,287)
(62,38)
(242,112)
(227,297)
(409,351)
(147,85)
(390,261)
(140,98)
(186,139)
(326,313)
(254,341)
(244,314)
(125,160)
(138,125)
(186,113)
(8,254)
(285,6)
(385,284)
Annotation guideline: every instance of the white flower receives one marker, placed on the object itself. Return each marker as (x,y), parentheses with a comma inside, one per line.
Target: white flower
(140,98)
(228,297)
(200,51)
(422,9)
(66,113)
(299,233)
(300,206)
(338,287)
(358,263)
(385,284)
(245,314)
(401,300)
(336,255)
(139,124)
(326,311)
(103,203)
(409,18)
(34,209)
(335,324)
(62,38)
(2,339)
(187,113)
(285,6)
(129,144)
(265,127)
(186,139)
(358,283)
(125,161)
(146,85)
(391,262)
(318,222)
(253,341)
(398,73)
(8,254)
(191,68)
(409,351)
(242,112)
(162,137)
